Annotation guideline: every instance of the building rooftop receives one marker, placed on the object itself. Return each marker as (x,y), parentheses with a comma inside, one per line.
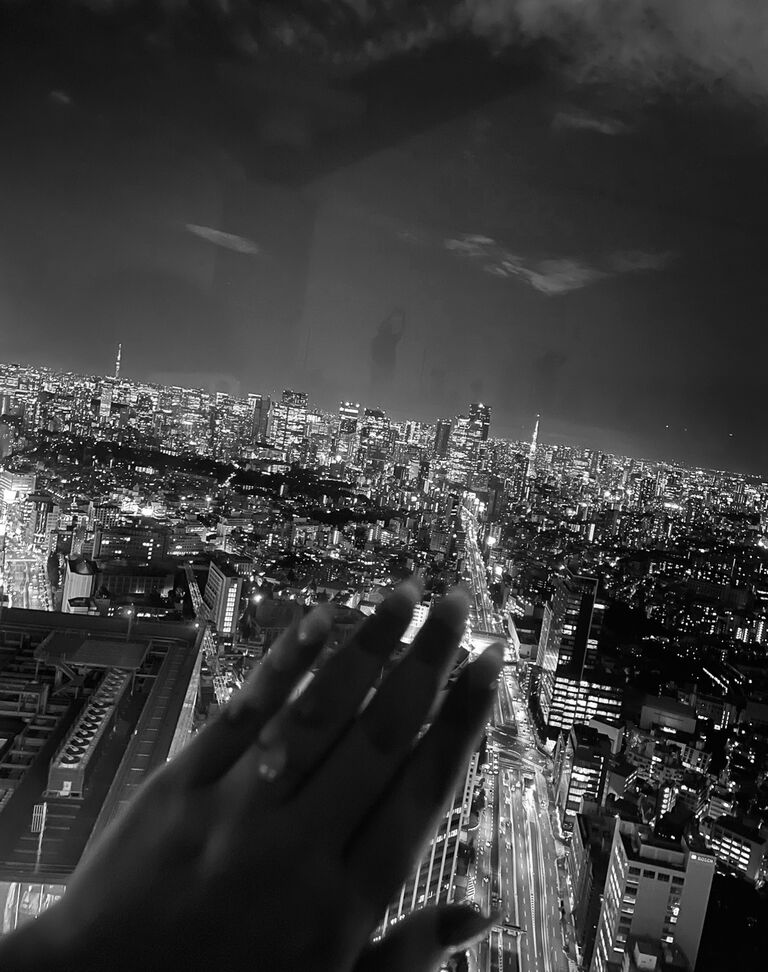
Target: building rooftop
(162,659)
(589,736)
(667,704)
(643,847)
(740,828)
(65,648)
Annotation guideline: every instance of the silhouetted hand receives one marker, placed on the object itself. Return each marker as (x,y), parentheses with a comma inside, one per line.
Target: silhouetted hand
(276,839)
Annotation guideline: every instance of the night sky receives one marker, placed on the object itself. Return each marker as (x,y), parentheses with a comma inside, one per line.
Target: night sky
(362,207)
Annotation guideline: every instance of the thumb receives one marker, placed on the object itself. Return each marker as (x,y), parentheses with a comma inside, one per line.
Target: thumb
(419,942)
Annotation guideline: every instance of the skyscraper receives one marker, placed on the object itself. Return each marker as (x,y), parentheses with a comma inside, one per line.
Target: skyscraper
(442,436)
(433,880)
(480,421)
(568,691)
(260,405)
(517,483)
(222,596)
(655,889)
(288,423)
(348,439)
(466,444)
(531,471)
(581,771)
(375,435)
(349,413)
(461,452)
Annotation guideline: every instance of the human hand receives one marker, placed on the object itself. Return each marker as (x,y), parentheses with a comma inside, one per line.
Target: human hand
(276,839)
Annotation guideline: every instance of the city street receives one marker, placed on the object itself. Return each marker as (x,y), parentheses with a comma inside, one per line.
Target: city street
(516,862)
(22,577)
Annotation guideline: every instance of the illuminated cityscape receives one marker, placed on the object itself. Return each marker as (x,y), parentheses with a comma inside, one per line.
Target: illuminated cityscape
(157,539)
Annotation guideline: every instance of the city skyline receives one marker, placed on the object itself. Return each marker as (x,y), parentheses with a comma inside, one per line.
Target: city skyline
(585,250)
(532,428)
(631,599)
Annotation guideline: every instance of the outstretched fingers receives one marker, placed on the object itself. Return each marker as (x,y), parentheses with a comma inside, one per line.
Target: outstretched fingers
(223,741)
(292,745)
(366,759)
(389,841)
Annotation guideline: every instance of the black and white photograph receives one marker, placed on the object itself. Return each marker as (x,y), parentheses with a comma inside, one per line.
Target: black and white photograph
(383,485)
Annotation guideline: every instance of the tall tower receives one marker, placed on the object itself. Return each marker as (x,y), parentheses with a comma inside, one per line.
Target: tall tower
(117,361)
(532,452)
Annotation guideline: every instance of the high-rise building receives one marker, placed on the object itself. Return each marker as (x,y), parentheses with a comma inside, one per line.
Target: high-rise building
(376,437)
(104,514)
(16,486)
(480,421)
(467,444)
(222,596)
(531,471)
(589,852)
(349,413)
(518,483)
(434,879)
(462,452)
(260,405)
(574,700)
(43,511)
(442,437)
(567,645)
(656,889)
(7,437)
(348,438)
(582,768)
(106,397)
(288,423)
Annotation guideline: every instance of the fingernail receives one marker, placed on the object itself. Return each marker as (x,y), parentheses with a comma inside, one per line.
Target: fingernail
(405,597)
(459,927)
(484,671)
(474,686)
(272,762)
(392,617)
(453,610)
(315,626)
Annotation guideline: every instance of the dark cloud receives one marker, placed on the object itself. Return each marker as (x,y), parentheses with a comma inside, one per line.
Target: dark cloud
(659,43)
(654,42)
